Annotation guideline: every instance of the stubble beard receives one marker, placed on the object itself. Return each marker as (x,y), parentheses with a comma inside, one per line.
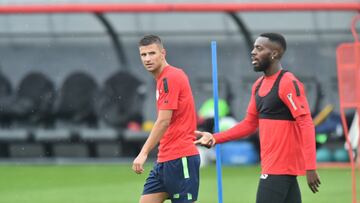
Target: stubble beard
(262,66)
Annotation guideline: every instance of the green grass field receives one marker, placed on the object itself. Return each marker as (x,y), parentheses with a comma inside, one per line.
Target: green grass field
(113,183)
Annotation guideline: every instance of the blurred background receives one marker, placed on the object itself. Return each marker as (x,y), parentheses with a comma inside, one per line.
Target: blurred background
(72,84)
(73,91)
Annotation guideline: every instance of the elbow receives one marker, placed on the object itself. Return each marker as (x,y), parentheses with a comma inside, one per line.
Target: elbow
(164,123)
(252,126)
(305,120)
(253,129)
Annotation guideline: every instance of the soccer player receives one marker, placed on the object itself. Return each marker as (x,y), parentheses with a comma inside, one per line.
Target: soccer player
(175,176)
(279,108)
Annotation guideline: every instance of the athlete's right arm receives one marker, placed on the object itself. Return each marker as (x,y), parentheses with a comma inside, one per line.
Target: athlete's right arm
(161,125)
(242,129)
(246,127)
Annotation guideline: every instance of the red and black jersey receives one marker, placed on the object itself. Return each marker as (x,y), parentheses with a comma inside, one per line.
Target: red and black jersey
(270,106)
(279,109)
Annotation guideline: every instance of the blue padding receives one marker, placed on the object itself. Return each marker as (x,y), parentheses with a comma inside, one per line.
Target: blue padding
(239,153)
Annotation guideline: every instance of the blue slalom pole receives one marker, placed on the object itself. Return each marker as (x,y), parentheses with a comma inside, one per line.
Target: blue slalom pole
(216,118)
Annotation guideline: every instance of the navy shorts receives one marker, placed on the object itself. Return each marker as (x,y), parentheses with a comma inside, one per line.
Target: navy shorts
(179,178)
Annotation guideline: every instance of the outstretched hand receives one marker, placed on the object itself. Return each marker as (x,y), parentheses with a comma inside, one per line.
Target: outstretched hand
(206,139)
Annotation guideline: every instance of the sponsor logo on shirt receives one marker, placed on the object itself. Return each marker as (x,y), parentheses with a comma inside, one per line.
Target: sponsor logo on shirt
(263,176)
(289,96)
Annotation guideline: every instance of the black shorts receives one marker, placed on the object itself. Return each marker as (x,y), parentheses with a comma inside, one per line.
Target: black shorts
(179,178)
(278,189)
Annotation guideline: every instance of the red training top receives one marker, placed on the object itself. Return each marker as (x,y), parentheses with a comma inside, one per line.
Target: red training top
(173,92)
(287,146)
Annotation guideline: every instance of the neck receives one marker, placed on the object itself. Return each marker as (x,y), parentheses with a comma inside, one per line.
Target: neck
(158,72)
(274,68)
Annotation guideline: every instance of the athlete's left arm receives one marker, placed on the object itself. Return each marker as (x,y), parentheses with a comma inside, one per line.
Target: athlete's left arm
(307,129)
(293,95)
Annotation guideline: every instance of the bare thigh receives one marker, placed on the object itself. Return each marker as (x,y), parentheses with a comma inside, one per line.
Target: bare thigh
(154,198)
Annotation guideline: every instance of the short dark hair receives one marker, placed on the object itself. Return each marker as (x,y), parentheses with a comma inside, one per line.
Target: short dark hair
(150,39)
(275,37)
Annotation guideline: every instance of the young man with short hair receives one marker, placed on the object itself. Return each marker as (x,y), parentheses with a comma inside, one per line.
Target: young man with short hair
(175,176)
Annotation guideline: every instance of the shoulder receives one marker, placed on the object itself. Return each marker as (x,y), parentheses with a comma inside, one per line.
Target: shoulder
(176,70)
(175,74)
(290,82)
(288,78)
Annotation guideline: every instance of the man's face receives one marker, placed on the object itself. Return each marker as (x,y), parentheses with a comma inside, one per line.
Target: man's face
(261,54)
(152,57)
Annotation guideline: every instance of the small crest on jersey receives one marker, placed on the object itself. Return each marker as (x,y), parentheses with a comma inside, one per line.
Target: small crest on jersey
(264,176)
